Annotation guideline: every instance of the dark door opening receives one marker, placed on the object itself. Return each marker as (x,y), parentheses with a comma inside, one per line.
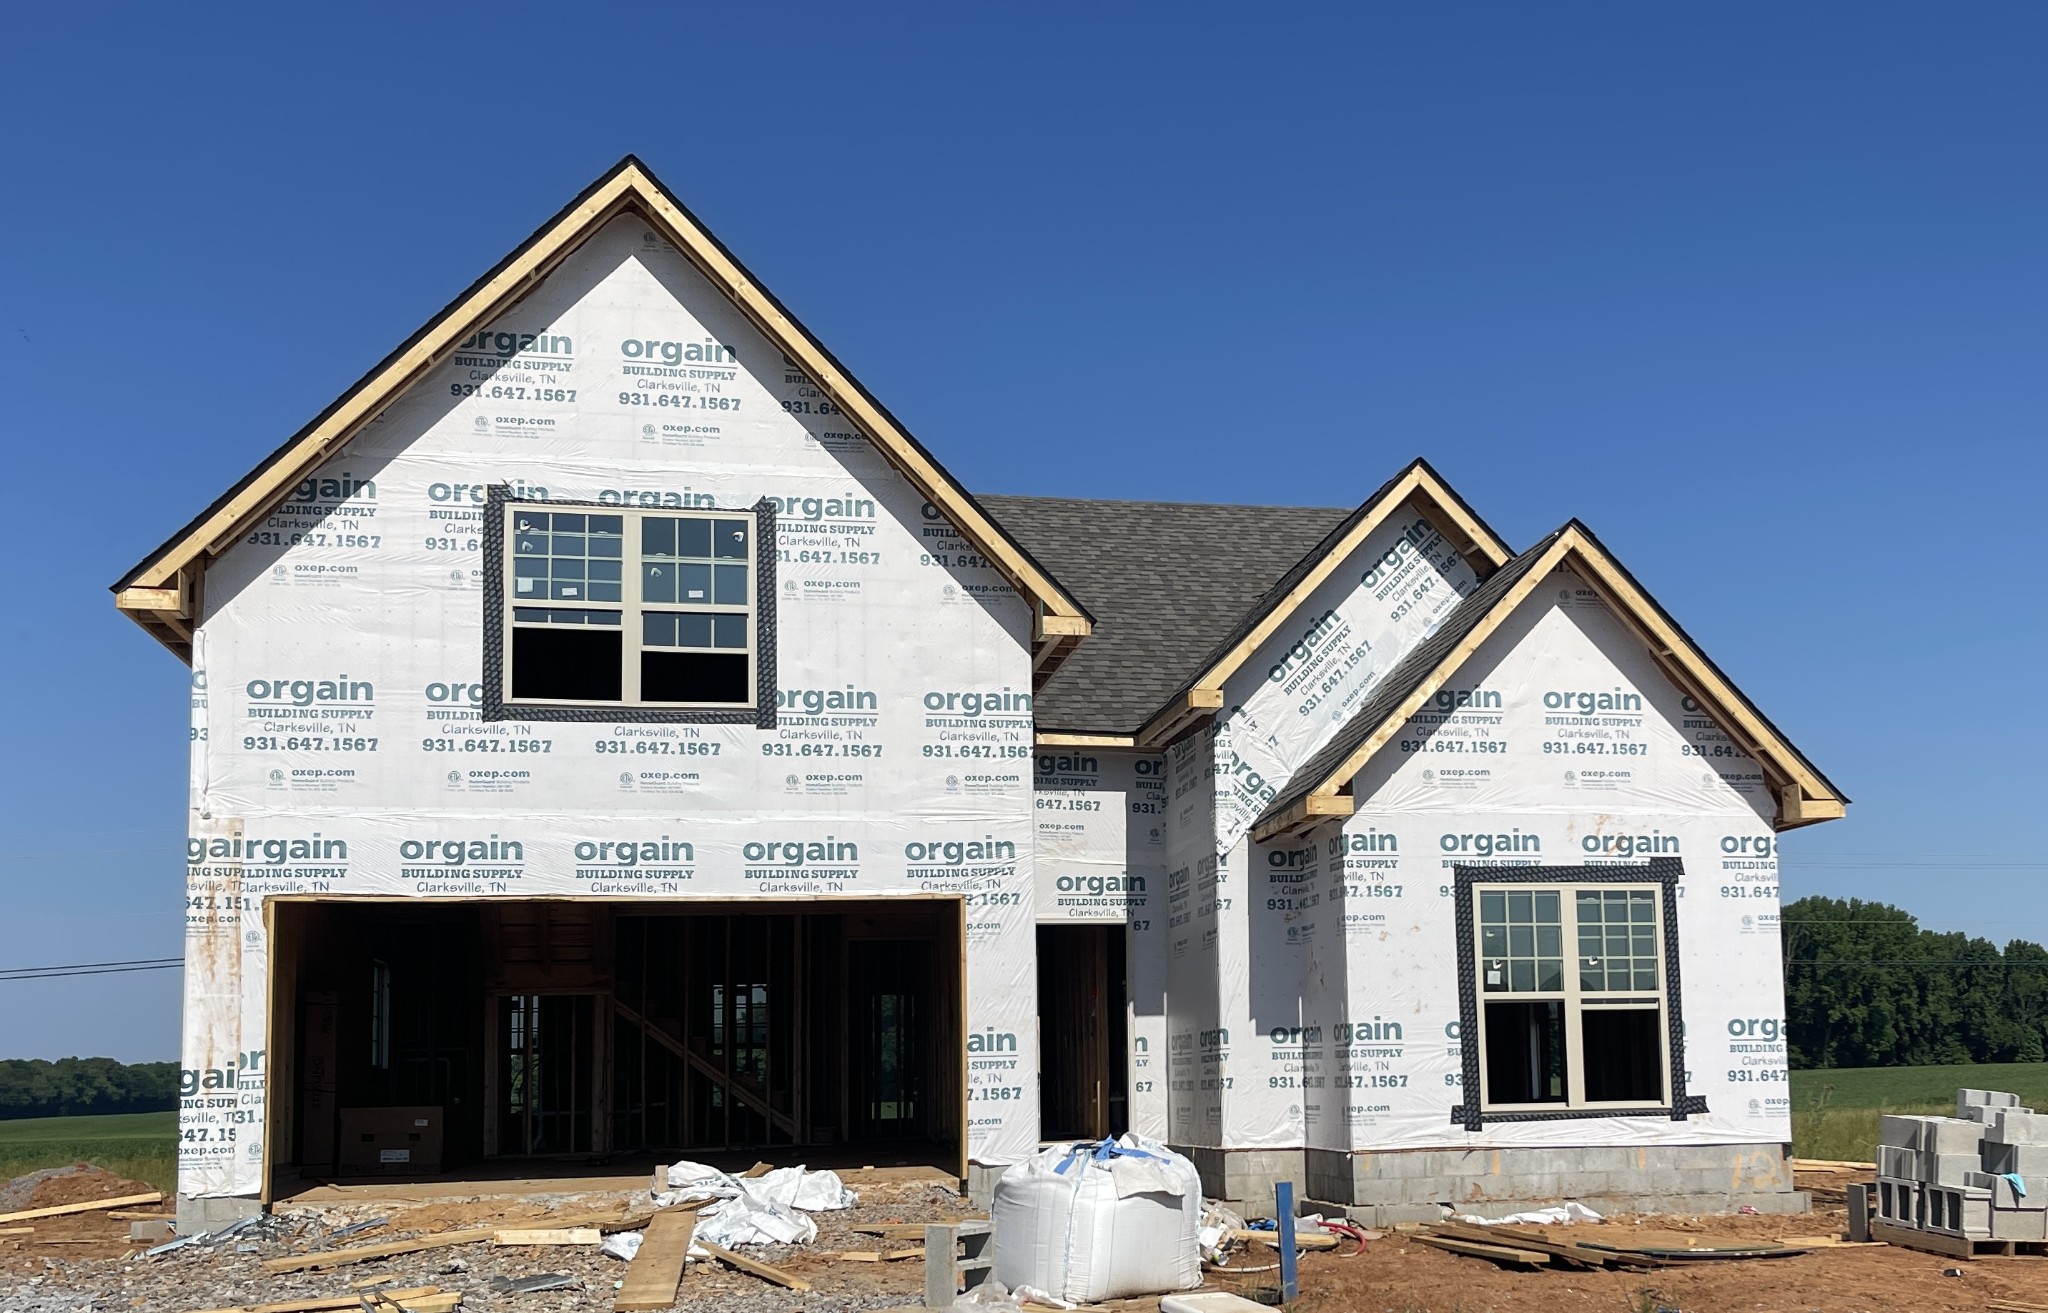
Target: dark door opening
(1081,1032)
(546,1073)
(889,989)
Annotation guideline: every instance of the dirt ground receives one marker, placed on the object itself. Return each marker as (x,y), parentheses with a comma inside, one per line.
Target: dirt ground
(1396,1275)
(85,1262)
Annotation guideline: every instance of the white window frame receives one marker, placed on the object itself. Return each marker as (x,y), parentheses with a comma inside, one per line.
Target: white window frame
(632,606)
(1576,1001)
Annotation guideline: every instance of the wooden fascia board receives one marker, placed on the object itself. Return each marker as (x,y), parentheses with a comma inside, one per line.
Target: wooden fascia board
(1306,814)
(1328,786)
(1053,740)
(631,187)
(1689,668)
(1196,702)
(1432,500)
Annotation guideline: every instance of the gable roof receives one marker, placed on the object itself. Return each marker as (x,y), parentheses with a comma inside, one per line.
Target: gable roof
(1165,581)
(1805,796)
(161,593)
(1418,486)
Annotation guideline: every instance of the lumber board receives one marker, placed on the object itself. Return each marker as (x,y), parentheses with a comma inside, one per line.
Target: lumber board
(757,1171)
(444,1302)
(754,1267)
(17,1230)
(878,1255)
(1522,1239)
(1302,1239)
(324,1302)
(142,1215)
(910,1230)
(553,1235)
(90,1206)
(1473,1249)
(2013,1306)
(392,1248)
(657,1270)
(1831,1164)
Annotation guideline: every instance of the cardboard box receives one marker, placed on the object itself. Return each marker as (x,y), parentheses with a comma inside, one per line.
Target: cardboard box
(392,1141)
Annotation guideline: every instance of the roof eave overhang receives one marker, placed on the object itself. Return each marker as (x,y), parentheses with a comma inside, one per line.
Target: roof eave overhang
(1419,486)
(1804,796)
(1059,620)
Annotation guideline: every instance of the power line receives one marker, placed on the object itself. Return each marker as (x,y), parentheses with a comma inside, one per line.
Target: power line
(92,968)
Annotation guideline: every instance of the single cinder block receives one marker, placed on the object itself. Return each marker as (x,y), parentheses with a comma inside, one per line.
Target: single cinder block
(1901,1163)
(1948,1169)
(2017,1126)
(2025,1160)
(1958,1212)
(1950,1135)
(1899,1131)
(2019,1224)
(1861,1198)
(1899,1202)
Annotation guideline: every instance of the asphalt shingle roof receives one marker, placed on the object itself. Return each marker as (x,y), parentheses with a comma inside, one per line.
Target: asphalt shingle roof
(1167,583)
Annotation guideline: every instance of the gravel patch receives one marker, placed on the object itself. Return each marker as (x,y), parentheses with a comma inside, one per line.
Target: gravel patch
(201,1276)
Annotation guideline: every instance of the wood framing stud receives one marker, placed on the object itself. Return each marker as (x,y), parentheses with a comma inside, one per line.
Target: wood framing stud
(1086,741)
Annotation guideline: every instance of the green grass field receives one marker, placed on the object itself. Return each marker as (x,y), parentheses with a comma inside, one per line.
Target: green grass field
(139,1145)
(1834,1113)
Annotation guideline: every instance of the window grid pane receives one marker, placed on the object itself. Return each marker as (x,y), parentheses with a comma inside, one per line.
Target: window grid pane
(1521,936)
(1617,940)
(563,557)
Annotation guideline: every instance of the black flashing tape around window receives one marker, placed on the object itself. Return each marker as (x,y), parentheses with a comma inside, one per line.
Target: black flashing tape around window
(492,706)
(1665,872)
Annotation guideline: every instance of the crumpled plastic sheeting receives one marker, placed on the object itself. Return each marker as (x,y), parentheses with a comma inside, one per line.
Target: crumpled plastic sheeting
(759,1210)
(1561,1215)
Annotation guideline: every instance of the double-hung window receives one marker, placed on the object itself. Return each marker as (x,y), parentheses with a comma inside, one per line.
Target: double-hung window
(1572,996)
(629,608)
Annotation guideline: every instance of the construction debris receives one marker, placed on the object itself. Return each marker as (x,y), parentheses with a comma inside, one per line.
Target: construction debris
(753,1267)
(536,1283)
(389,1249)
(320,1305)
(657,1265)
(1527,1246)
(555,1235)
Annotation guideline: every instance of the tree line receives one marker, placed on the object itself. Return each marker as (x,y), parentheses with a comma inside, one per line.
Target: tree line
(1865,986)
(37,1087)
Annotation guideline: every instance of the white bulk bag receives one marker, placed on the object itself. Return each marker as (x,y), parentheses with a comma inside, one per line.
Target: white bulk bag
(1090,1222)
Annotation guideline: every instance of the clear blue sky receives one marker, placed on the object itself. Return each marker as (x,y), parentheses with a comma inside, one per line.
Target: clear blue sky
(1758,291)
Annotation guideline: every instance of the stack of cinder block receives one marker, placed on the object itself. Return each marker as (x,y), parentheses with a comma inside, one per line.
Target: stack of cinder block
(1979,1175)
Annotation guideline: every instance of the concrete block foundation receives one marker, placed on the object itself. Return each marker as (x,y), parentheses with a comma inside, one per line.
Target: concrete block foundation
(1418,1184)
(199,1216)
(1244,1178)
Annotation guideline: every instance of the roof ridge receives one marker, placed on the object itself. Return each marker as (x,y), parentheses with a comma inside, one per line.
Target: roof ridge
(1131,501)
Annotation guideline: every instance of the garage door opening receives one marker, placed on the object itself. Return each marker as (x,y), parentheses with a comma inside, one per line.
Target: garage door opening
(548,1038)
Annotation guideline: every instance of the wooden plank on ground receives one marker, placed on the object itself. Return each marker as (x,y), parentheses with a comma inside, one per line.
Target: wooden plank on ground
(1498,1253)
(91,1206)
(757,1171)
(1302,1239)
(752,1267)
(392,1248)
(325,1302)
(879,1255)
(16,1230)
(1519,1238)
(143,1215)
(553,1235)
(2010,1306)
(910,1230)
(445,1302)
(657,1270)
